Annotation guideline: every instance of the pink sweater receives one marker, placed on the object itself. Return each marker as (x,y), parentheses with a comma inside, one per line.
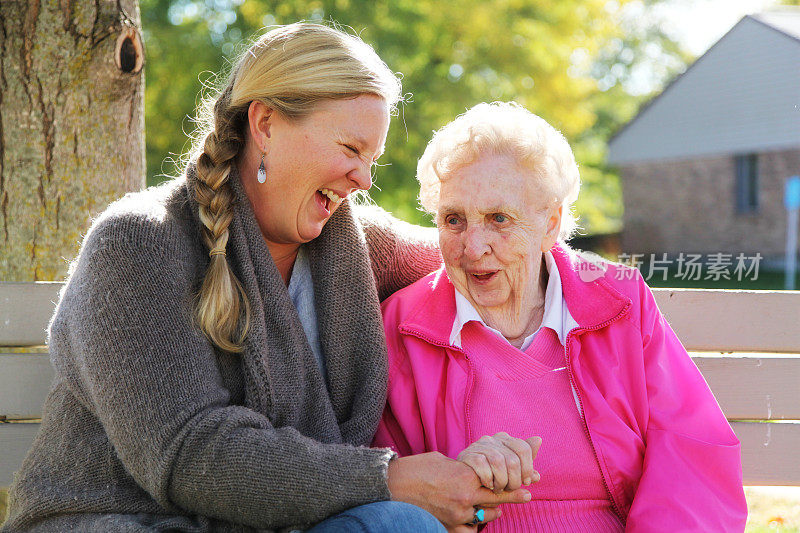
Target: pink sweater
(666,454)
(525,394)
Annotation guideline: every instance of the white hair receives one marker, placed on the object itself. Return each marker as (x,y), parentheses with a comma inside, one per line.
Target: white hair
(502,128)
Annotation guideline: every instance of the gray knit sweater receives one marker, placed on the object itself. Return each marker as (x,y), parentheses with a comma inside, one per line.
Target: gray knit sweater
(148,428)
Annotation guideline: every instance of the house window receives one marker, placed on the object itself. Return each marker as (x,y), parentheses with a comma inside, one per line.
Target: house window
(747,183)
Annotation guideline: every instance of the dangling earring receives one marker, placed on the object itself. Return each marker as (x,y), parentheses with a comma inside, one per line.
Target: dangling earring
(262,172)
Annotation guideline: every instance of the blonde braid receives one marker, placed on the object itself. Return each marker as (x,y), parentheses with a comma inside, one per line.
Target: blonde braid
(222,303)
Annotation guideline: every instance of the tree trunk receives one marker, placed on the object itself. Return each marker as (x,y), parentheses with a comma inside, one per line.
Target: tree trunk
(71,125)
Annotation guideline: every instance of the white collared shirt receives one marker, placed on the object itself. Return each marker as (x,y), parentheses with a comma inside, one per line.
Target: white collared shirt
(556,315)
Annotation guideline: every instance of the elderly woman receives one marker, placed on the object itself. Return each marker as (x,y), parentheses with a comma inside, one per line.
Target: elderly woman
(219,353)
(519,336)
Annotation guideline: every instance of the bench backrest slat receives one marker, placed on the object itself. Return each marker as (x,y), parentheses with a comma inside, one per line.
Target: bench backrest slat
(769,452)
(15,441)
(754,387)
(25,311)
(733,321)
(739,384)
(24,382)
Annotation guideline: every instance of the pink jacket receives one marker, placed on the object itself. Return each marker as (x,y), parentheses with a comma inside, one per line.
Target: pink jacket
(668,455)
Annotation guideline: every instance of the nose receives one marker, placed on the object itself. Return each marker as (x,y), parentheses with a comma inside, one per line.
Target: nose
(361,175)
(476,243)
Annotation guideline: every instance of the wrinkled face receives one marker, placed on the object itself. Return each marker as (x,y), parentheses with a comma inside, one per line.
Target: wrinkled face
(494,223)
(313,163)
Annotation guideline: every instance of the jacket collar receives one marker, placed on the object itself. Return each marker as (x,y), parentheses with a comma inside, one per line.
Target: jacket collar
(591,297)
(592,303)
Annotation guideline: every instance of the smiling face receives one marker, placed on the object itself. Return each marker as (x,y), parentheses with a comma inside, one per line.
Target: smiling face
(312,164)
(494,223)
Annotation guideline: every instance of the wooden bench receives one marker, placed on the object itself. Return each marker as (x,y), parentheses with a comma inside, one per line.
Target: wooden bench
(746,343)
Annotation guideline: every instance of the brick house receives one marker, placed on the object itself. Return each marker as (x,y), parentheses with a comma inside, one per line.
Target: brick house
(703,165)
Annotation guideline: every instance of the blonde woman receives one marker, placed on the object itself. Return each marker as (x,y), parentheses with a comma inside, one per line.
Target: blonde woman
(219,353)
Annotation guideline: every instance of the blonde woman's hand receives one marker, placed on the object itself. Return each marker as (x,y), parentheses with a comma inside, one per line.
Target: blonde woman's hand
(503,462)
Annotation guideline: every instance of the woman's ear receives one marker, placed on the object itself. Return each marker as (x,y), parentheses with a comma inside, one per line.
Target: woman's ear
(259,117)
(553,228)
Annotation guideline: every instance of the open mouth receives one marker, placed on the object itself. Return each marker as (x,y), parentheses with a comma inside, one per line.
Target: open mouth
(324,201)
(483,277)
(328,198)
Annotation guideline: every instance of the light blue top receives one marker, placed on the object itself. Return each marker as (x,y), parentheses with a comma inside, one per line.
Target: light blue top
(301,291)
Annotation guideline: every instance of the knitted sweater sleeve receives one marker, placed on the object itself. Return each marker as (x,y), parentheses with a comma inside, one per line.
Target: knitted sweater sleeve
(124,339)
(401,253)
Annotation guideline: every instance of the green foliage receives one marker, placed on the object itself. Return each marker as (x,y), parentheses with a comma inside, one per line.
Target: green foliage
(552,56)
(178,57)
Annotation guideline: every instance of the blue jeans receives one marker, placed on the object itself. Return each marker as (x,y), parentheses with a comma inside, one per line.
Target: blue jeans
(381,517)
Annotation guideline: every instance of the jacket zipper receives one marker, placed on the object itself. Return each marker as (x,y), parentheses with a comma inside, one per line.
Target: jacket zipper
(470,377)
(571,334)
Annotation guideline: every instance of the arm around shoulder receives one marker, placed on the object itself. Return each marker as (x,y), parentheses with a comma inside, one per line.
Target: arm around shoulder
(401,253)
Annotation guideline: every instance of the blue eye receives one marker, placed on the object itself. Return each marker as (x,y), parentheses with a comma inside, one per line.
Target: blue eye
(500,218)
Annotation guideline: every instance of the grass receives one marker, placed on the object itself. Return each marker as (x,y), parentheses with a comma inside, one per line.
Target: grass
(771,509)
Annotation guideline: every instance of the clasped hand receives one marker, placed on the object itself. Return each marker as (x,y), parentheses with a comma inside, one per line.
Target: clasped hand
(489,472)
(503,462)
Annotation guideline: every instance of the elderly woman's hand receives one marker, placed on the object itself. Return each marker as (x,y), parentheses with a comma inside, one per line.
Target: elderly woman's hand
(503,462)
